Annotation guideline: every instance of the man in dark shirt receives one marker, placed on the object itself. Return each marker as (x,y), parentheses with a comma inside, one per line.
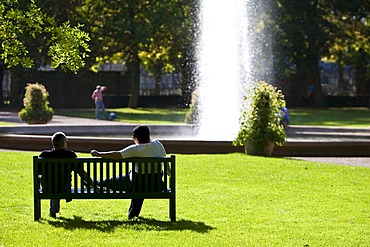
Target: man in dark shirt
(63,177)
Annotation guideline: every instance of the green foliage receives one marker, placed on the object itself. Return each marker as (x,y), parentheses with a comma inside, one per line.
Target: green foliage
(155,32)
(275,202)
(28,35)
(305,31)
(140,34)
(68,47)
(36,105)
(260,122)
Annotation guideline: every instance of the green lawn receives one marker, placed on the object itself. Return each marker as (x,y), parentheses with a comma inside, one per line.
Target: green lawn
(351,117)
(222,200)
(4,123)
(137,115)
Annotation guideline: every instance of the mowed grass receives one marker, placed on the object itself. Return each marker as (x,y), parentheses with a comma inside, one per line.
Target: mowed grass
(351,117)
(4,123)
(222,200)
(134,115)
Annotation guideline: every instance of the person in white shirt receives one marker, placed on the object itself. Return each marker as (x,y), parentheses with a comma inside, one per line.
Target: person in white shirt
(143,147)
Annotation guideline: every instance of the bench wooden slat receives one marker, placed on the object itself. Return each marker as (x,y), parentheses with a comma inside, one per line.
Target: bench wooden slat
(100,169)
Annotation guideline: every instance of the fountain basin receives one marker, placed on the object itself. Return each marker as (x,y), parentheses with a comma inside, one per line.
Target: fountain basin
(181,139)
(315,148)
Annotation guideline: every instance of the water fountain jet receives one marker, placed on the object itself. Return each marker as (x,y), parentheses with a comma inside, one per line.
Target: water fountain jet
(224,65)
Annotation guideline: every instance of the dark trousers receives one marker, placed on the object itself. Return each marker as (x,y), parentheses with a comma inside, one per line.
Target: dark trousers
(123,183)
(135,208)
(140,181)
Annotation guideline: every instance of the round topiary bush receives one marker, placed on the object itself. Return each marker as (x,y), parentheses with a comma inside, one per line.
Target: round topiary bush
(36,105)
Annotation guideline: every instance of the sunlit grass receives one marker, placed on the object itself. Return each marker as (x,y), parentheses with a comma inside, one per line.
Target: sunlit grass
(222,200)
(135,115)
(351,117)
(6,123)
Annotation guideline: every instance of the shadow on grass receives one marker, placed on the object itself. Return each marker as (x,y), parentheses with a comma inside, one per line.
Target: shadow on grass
(141,224)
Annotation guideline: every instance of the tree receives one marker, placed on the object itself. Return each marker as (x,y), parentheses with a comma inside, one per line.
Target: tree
(309,30)
(138,33)
(302,37)
(350,40)
(30,38)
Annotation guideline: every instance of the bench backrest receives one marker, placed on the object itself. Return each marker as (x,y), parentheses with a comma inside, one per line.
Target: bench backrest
(64,175)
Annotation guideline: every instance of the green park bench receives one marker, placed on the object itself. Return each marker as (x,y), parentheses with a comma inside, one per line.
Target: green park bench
(144,187)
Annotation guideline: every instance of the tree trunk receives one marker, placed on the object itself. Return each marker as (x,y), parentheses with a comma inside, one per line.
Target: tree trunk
(2,70)
(310,61)
(134,64)
(361,87)
(341,83)
(313,57)
(309,74)
(318,96)
(135,82)
(158,79)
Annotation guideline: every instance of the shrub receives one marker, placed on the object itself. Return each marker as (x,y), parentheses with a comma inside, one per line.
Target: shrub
(260,122)
(36,105)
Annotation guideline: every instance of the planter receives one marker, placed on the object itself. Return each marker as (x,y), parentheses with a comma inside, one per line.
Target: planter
(266,151)
(36,122)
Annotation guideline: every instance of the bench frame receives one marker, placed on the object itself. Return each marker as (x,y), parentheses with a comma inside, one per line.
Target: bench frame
(99,169)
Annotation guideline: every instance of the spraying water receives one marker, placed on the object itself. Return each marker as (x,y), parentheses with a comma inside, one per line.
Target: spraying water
(224,66)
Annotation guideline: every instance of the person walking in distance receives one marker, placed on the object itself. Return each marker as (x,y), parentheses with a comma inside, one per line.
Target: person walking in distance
(97,96)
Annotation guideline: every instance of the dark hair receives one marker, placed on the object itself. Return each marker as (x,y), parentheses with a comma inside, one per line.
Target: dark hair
(58,139)
(142,133)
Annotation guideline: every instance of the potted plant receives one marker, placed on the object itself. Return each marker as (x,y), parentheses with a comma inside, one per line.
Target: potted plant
(36,105)
(260,127)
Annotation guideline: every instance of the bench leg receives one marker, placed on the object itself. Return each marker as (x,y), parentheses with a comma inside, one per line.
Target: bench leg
(173,209)
(37,209)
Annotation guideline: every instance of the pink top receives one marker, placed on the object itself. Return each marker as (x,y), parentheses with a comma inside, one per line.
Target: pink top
(97,95)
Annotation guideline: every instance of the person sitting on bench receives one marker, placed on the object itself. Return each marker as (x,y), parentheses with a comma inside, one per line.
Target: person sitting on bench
(143,147)
(60,143)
